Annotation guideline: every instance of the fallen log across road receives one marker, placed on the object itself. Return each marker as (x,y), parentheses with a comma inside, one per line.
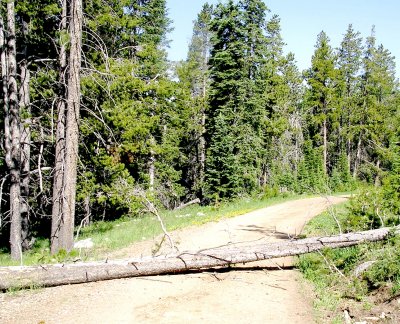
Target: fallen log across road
(64,274)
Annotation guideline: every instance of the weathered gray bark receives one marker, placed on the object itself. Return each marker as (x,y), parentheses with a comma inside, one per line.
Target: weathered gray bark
(58,192)
(64,220)
(4,89)
(358,156)
(72,125)
(61,274)
(13,156)
(24,105)
(4,102)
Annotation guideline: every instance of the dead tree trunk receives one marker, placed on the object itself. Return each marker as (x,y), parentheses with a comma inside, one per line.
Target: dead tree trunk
(58,192)
(66,216)
(13,154)
(61,274)
(72,125)
(192,202)
(4,95)
(24,105)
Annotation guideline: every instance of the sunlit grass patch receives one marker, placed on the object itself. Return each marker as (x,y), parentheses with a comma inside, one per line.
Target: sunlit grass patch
(112,236)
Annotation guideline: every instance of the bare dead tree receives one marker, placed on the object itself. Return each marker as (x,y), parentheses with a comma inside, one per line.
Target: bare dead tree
(4,92)
(64,211)
(12,130)
(58,193)
(25,129)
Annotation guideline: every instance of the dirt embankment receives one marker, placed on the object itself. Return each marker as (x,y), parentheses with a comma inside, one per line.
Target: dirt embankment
(241,296)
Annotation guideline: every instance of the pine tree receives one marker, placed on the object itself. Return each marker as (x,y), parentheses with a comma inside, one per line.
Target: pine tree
(379,88)
(349,90)
(283,136)
(140,108)
(234,125)
(321,78)
(222,170)
(285,147)
(194,75)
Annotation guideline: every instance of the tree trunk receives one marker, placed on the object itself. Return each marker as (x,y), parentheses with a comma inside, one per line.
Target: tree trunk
(64,219)
(358,157)
(13,159)
(325,146)
(5,103)
(202,142)
(58,192)
(61,274)
(349,155)
(24,105)
(152,167)
(4,89)
(72,126)
(189,203)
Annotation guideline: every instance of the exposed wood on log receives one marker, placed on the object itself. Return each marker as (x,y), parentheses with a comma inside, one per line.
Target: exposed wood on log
(192,202)
(61,274)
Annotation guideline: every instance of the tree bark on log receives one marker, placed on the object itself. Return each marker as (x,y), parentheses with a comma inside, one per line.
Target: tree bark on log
(63,274)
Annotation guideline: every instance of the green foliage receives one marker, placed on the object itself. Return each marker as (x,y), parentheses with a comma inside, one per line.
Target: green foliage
(378,206)
(237,105)
(369,209)
(341,179)
(386,270)
(311,176)
(134,121)
(366,210)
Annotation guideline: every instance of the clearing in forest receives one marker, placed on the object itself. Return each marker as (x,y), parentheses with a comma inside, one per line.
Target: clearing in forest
(270,294)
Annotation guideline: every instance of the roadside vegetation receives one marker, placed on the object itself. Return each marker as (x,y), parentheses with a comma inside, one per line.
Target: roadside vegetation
(360,282)
(110,236)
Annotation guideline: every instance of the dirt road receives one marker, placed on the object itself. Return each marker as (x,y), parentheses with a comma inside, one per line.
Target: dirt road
(242,296)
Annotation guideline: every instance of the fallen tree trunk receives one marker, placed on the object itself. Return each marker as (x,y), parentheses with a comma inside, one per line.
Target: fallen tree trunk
(192,202)
(62,274)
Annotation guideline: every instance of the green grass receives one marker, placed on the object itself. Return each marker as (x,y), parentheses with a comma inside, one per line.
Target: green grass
(331,271)
(314,267)
(111,236)
(325,223)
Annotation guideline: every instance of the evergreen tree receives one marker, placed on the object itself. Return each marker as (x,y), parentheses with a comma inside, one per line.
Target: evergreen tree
(194,76)
(285,147)
(349,90)
(234,123)
(137,110)
(321,78)
(379,88)
(283,117)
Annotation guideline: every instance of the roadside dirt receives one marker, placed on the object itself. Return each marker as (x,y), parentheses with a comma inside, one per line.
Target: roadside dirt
(269,293)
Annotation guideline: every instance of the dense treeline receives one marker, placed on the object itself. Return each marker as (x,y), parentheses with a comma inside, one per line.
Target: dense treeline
(235,118)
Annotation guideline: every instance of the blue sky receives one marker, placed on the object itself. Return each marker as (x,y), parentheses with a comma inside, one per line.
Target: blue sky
(302,21)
